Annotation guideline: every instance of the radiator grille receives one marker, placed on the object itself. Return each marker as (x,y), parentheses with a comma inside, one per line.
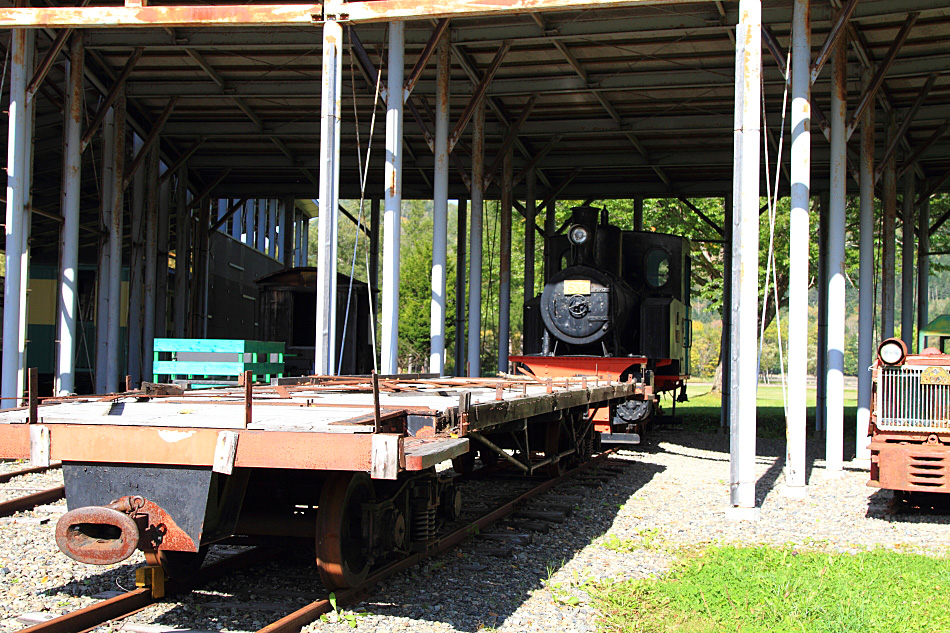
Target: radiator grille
(905,404)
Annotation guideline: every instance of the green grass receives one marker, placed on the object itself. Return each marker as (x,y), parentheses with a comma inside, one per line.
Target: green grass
(763,589)
(701,413)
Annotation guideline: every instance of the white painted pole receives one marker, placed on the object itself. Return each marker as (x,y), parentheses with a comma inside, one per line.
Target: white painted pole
(865,284)
(798,249)
(325,362)
(69,237)
(389,311)
(440,211)
(834,421)
(475,243)
(18,137)
(745,187)
(115,245)
(26,160)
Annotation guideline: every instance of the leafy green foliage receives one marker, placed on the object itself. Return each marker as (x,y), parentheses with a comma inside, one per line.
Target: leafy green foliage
(764,589)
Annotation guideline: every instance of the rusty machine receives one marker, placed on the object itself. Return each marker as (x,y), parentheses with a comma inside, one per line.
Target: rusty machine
(615,304)
(347,463)
(910,420)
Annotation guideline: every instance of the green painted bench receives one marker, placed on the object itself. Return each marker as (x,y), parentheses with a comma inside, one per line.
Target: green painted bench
(214,361)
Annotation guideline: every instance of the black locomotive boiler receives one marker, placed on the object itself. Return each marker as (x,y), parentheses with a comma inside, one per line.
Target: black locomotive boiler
(615,304)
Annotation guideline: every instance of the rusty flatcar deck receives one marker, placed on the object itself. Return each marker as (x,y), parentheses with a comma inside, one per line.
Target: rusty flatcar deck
(320,423)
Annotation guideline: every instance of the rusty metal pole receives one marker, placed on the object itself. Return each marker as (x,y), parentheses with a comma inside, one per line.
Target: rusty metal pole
(746,144)
(18,137)
(136,318)
(531,213)
(866,283)
(150,295)
(504,261)
(440,210)
(798,249)
(888,241)
(461,224)
(69,237)
(923,268)
(115,244)
(389,311)
(907,260)
(834,421)
(329,198)
(102,273)
(475,243)
(182,247)
(161,259)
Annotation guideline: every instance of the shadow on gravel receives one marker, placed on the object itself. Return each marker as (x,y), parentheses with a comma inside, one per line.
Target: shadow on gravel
(894,507)
(474,588)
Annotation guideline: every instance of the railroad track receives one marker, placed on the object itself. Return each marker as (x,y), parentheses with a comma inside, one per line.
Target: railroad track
(30,501)
(127,604)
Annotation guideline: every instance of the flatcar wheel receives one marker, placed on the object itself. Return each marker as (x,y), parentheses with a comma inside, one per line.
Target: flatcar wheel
(464,464)
(340,557)
(178,565)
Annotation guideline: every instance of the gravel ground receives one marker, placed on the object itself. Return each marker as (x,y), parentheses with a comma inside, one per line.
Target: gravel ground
(672,492)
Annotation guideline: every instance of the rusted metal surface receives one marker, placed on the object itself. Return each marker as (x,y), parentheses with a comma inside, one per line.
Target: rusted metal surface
(97,535)
(426,54)
(390,10)
(14,441)
(837,30)
(479,94)
(29,502)
(111,97)
(44,67)
(158,16)
(911,467)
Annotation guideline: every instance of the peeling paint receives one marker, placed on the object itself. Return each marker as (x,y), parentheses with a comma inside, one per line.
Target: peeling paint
(174,436)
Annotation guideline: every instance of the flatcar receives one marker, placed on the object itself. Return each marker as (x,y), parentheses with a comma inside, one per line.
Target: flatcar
(616,303)
(910,420)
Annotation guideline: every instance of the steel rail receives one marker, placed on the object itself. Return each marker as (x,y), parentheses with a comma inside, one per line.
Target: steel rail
(5,477)
(27,502)
(295,621)
(128,603)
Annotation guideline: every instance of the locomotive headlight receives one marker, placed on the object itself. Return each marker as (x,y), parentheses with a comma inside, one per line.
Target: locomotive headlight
(892,351)
(578,234)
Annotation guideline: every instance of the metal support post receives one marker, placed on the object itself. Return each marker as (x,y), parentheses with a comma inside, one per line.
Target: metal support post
(68,302)
(907,260)
(638,213)
(389,311)
(151,260)
(329,198)
(888,239)
(475,244)
(26,161)
(923,269)
(261,235)
(136,318)
(460,237)
(504,262)
(440,210)
(182,247)
(745,185)
(866,283)
(115,245)
(531,212)
(250,217)
(374,231)
(103,286)
(550,226)
(237,223)
(161,260)
(305,239)
(798,250)
(272,228)
(834,433)
(287,232)
(821,356)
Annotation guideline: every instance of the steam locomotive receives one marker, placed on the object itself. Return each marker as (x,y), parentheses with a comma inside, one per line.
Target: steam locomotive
(616,304)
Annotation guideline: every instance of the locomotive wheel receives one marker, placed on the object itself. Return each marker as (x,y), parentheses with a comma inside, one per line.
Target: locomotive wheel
(340,558)
(178,565)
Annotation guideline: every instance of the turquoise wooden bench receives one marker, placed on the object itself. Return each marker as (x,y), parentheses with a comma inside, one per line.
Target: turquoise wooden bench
(213,361)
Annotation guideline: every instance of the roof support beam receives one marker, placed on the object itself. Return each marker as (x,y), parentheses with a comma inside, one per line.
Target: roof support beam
(881,72)
(531,164)
(837,30)
(554,193)
(207,190)
(43,69)
(205,66)
(702,216)
(227,216)
(919,149)
(110,97)
(905,124)
(156,16)
(360,225)
(423,60)
(149,141)
(931,189)
(509,139)
(478,95)
(181,160)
